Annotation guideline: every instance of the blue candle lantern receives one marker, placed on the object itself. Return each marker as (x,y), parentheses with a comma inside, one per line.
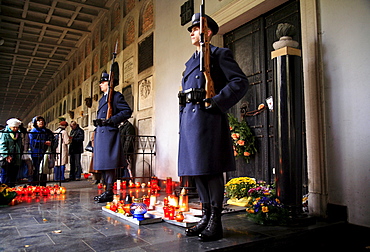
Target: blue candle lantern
(138,209)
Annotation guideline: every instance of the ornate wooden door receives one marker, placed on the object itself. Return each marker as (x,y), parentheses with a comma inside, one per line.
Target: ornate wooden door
(252,46)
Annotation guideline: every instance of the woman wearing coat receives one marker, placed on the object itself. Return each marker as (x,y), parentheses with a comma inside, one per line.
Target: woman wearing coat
(10,151)
(40,139)
(108,153)
(205,146)
(61,151)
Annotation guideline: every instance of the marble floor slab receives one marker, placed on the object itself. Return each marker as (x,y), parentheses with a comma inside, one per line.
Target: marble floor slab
(74,222)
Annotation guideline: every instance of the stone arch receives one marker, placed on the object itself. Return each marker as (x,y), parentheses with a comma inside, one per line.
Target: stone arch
(115,38)
(116,15)
(104,29)
(129,32)
(104,54)
(79,97)
(128,5)
(146,20)
(95,63)
(87,69)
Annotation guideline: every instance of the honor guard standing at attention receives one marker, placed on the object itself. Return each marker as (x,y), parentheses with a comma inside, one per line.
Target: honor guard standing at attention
(205,146)
(108,153)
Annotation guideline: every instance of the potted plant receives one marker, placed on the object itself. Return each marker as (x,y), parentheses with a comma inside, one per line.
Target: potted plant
(237,190)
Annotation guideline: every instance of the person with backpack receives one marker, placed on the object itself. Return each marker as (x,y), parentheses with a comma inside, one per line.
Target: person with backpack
(61,150)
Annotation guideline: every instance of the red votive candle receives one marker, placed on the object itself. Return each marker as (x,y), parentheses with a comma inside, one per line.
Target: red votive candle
(169,185)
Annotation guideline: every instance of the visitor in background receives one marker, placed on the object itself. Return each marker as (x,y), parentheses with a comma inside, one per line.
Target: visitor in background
(40,139)
(10,152)
(61,151)
(75,149)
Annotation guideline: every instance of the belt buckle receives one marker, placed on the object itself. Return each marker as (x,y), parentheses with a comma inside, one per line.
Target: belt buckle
(189,96)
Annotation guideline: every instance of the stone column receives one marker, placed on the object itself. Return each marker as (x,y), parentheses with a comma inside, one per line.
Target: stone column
(288,125)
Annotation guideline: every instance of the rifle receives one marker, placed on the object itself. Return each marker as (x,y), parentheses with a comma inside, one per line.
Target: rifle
(205,55)
(111,84)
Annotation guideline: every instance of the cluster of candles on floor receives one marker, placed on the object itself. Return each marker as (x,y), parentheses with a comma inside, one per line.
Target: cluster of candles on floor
(40,190)
(173,206)
(27,193)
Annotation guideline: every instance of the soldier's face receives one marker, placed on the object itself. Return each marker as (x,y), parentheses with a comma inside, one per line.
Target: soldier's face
(194,36)
(104,86)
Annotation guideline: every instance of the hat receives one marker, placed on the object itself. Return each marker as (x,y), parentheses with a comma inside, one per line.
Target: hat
(195,21)
(104,77)
(13,122)
(63,123)
(37,118)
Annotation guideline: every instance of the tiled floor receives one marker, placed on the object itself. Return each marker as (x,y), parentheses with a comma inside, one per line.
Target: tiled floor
(73,222)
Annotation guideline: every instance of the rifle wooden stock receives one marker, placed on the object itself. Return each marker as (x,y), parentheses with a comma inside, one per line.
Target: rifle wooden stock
(205,56)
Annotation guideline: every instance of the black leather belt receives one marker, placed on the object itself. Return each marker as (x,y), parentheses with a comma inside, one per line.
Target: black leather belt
(193,95)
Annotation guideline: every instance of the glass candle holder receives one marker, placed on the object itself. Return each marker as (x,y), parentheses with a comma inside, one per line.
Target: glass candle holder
(171,213)
(166,212)
(138,209)
(169,185)
(146,201)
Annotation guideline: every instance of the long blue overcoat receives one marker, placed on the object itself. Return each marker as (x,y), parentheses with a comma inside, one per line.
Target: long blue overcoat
(205,145)
(108,152)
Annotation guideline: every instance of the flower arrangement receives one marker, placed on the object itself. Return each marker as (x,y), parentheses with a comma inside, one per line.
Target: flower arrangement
(6,194)
(243,139)
(267,210)
(238,187)
(261,190)
(259,198)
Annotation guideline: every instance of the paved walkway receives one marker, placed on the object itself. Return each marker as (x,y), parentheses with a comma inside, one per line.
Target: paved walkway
(74,222)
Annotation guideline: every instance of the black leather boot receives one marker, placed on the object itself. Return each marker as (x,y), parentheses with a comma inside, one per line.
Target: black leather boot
(202,224)
(213,231)
(97,197)
(106,196)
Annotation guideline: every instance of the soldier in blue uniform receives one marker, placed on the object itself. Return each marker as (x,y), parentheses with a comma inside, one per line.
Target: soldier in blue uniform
(108,153)
(205,147)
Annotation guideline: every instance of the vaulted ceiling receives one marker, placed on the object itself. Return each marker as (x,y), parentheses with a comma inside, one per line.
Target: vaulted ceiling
(37,38)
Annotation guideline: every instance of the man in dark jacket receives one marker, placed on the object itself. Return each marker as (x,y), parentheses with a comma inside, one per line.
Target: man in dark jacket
(205,147)
(75,149)
(108,152)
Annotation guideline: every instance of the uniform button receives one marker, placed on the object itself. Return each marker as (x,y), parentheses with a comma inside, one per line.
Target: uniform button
(196,76)
(193,110)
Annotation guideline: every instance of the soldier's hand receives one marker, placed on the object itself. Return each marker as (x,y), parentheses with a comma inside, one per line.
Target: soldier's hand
(213,106)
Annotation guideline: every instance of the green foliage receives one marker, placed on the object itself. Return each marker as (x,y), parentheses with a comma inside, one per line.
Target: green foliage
(243,138)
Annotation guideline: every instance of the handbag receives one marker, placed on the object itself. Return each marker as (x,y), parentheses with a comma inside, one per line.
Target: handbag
(3,161)
(47,163)
(89,147)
